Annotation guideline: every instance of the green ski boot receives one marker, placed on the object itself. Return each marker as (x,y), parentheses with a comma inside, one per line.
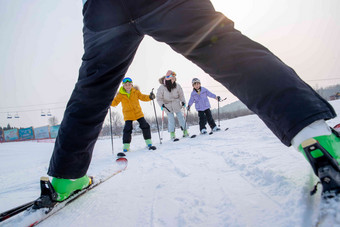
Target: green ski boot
(149,144)
(172,136)
(66,187)
(323,153)
(126,147)
(185,133)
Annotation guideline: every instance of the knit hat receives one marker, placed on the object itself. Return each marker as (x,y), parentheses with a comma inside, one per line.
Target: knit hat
(195,80)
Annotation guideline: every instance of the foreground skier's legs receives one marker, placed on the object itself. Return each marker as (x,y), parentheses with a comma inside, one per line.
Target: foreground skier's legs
(250,71)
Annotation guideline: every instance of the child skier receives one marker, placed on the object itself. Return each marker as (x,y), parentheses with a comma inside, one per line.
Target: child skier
(170,97)
(199,96)
(129,96)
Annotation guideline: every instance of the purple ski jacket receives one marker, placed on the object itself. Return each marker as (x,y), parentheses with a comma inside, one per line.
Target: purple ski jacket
(201,100)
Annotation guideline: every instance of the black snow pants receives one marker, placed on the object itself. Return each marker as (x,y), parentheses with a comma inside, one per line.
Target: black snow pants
(205,116)
(127,131)
(113,30)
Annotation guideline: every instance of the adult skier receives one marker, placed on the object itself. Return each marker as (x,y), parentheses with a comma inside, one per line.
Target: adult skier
(170,97)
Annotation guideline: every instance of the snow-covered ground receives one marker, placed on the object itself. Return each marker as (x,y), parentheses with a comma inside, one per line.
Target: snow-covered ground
(240,177)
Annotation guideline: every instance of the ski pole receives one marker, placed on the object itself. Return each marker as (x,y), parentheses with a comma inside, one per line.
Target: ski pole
(163,117)
(159,135)
(218,112)
(167,109)
(186,117)
(111,131)
(162,124)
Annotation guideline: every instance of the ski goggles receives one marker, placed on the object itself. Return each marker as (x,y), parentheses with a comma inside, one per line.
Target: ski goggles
(127,79)
(173,74)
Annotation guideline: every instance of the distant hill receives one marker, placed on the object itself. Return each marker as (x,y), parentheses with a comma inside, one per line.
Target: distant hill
(327,92)
(232,107)
(232,110)
(237,109)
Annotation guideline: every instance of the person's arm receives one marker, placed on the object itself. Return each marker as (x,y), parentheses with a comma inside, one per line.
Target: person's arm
(160,97)
(211,95)
(116,100)
(191,100)
(181,93)
(143,97)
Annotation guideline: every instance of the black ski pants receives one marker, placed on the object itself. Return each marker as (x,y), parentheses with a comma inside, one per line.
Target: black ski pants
(127,131)
(205,116)
(192,28)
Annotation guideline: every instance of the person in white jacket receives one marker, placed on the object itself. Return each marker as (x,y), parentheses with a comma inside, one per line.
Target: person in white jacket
(171,98)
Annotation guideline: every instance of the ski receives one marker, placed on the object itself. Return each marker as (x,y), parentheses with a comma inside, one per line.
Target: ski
(121,159)
(329,212)
(191,137)
(12,212)
(152,148)
(34,212)
(210,133)
(122,155)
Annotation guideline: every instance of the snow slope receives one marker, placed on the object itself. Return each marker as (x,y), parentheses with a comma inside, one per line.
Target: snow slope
(240,177)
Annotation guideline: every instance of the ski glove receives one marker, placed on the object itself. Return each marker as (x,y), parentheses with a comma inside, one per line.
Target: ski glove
(188,108)
(152,96)
(218,98)
(183,104)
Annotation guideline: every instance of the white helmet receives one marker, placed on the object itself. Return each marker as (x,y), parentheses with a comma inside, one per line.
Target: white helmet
(195,80)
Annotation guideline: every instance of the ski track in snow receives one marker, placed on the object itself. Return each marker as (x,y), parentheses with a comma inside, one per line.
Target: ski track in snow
(240,177)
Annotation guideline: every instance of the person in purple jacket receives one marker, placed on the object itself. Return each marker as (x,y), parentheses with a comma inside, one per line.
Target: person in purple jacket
(199,96)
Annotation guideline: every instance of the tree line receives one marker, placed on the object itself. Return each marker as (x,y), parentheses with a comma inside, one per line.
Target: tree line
(191,119)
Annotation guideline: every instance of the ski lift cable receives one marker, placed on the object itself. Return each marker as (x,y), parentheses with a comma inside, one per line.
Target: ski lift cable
(45,104)
(31,110)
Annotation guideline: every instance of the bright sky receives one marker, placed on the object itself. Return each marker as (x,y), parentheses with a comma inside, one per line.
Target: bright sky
(41,47)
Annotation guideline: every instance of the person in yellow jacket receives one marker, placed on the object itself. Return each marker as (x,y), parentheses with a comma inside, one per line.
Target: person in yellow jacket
(132,111)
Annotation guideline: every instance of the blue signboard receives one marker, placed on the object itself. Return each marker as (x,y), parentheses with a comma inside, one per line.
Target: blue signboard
(26,133)
(54,131)
(41,133)
(11,134)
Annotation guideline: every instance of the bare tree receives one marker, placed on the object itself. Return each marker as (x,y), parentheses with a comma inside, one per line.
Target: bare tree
(53,121)
(117,125)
